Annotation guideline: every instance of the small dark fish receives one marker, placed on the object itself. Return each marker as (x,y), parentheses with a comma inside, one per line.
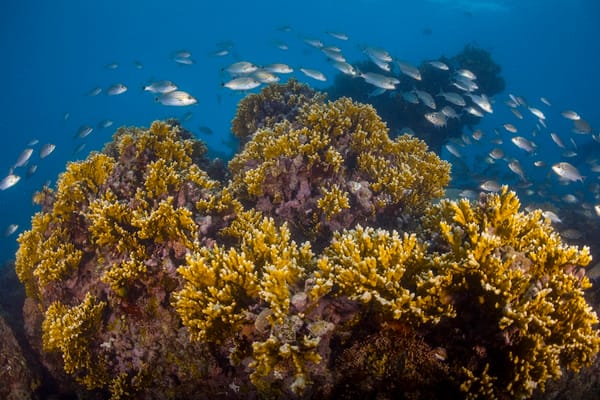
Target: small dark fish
(205,129)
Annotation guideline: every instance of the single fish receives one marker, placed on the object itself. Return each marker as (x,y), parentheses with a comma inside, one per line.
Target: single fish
(338,35)
(482,101)
(10,229)
(116,89)
(333,54)
(163,86)
(537,112)
(23,157)
(557,140)
(510,128)
(176,98)
(473,111)
(581,127)
(241,68)
(570,114)
(524,144)
(265,76)
(490,186)
(313,73)
(105,123)
(83,131)
(439,65)
(9,181)
(31,170)
(409,70)
(515,167)
(436,118)
(242,83)
(381,81)
(545,101)
(426,98)
(466,74)
(517,113)
(46,150)
(378,53)
(279,68)
(567,171)
(453,150)
(345,68)
(453,98)
(94,92)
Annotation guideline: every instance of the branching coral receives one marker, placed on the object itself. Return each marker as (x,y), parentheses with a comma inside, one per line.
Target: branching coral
(222,283)
(118,225)
(71,331)
(376,266)
(275,103)
(518,294)
(343,145)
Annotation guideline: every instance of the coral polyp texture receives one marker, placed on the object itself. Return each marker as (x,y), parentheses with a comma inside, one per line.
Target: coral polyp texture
(323,269)
(333,167)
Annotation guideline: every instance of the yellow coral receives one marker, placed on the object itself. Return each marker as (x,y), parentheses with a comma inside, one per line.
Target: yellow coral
(333,201)
(273,358)
(327,145)
(220,284)
(520,276)
(375,265)
(71,330)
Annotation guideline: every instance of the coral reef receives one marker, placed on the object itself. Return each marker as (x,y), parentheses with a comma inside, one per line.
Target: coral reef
(322,270)
(517,292)
(115,229)
(333,167)
(275,103)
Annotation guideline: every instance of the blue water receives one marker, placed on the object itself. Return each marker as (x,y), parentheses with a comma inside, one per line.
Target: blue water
(55,52)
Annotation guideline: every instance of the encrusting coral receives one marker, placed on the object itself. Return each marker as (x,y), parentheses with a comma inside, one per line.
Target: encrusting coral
(322,270)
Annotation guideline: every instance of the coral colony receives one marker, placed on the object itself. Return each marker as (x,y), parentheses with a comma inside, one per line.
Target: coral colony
(325,267)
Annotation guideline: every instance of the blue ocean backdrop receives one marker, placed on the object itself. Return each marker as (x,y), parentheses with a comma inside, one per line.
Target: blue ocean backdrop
(55,53)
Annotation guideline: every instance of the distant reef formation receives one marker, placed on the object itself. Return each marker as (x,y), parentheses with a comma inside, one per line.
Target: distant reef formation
(328,266)
(403,112)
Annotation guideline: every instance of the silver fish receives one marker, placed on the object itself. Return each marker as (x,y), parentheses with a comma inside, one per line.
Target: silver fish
(84,130)
(426,98)
(176,98)
(515,167)
(453,150)
(557,140)
(161,87)
(581,127)
(241,68)
(490,186)
(46,150)
(537,112)
(436,118)
(23,157)
(313,73)
(9,181)
(439,65)
(524,144)
(482,101)
(567,171)
(381,81)
(510,128)
(467,74)
(10,229)
(345,68)
(279,68)
(473,111)
(453,98)
(570,114)
(410,70)
(338,35)
(116,89)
